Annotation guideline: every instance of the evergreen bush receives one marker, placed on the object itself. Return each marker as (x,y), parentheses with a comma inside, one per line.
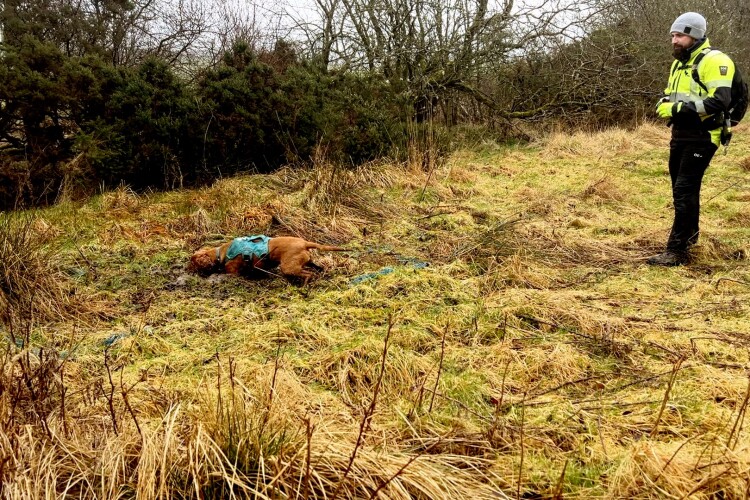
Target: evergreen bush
(74,124)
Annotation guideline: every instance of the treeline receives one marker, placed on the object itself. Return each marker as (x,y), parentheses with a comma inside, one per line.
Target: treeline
(73,124)
(95,93)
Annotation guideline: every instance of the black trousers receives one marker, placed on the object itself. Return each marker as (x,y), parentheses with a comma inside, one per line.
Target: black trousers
(688,162)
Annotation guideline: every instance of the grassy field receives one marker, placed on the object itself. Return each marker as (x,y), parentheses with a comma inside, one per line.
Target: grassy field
(493,332)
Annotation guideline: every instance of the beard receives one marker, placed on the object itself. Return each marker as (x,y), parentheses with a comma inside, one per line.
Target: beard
(683,53)
(680,53)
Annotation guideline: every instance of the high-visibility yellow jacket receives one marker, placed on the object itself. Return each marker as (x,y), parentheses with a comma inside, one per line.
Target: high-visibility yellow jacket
(700,116)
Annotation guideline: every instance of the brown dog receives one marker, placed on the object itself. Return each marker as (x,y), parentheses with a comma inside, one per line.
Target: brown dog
(243,254)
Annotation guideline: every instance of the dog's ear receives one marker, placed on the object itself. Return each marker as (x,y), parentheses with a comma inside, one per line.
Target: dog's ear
(202,261)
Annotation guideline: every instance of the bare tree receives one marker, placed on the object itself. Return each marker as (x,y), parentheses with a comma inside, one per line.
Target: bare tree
(122,31)
(648,21)
(434,49)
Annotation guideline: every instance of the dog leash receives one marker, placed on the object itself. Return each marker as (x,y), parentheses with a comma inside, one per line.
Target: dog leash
(259,268)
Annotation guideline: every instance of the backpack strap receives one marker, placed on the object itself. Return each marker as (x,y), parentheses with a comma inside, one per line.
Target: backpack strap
(696,62)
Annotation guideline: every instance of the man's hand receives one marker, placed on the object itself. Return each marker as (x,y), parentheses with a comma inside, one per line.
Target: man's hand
(668,109)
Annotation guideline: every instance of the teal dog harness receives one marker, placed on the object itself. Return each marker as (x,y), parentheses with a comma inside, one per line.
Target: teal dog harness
(250,247)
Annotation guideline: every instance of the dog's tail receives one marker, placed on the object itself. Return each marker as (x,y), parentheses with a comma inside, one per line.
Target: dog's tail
(326,248)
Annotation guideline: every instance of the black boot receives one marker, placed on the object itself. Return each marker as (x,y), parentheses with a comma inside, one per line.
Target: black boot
(669,258)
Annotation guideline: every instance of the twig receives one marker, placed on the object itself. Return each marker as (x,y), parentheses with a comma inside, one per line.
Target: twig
(614,404)
(558,495)
(272,390)
(437,214)
(205,140)
(403,468)
(92,267)
(663,348)
(309,429)
(649,378)
(618,389)
(505,328)
(663,469)
(711,444)
(219,403)
(110,398)
(72,347)
(270,273)
(499,404)
(125,399)
(722,461)
(741,282)
(565,384)
(599,430)
(440,367)
(670,383)
(706,481)
(232,371)
(740,180)
(461,405)
(477,242)
(558,326)
(740,420)
(63,391)
(520,464)
(24,361)
(427,181)
(365,423)
(420,394)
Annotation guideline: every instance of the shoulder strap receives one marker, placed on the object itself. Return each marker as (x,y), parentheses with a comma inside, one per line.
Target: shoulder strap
(696,62)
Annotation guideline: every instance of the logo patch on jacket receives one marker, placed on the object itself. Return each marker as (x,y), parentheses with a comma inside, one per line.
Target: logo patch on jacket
(723,70)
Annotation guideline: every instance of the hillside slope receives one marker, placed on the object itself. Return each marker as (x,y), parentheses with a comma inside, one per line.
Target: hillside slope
(493,332)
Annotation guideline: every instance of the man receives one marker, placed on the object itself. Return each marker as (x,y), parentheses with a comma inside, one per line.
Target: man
(696,113)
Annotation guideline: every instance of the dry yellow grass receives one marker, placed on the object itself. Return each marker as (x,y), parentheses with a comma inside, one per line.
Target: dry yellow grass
(536,356)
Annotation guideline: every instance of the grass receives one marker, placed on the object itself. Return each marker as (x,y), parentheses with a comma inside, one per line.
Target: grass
(536,356)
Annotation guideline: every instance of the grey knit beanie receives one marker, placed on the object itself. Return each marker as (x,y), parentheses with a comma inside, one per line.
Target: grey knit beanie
(690,23)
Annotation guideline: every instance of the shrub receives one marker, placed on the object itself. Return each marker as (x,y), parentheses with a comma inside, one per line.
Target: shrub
(238,118)
(354,118)
(70,125)
(139,135)
(33,125)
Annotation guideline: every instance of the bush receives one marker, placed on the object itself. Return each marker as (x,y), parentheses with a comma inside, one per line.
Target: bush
(33,126)
(353,118)
(73,124)
(374,119)
(238,118)
(258,117)
(139,136)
